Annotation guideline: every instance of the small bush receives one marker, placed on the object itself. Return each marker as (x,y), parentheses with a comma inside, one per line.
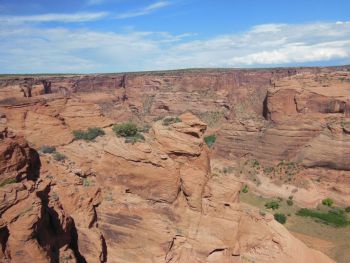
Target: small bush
(47,149)
(59,156)
(170,120)
(245,189)
(347,209)
(88,135)
(127,129)
(272,205)
(210,140)
(334,217)
(289,202)
(281,218)
(328,202)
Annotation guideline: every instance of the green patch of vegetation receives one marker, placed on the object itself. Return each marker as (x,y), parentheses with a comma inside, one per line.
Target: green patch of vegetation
(127,129)
(327,202)
(8,181)
(170,120)
(274,205)
(290,202)
(88,135)
(334,217)
(47,149)
(281,218)
(347,209)
(245,189)
(57,156)
(210,140)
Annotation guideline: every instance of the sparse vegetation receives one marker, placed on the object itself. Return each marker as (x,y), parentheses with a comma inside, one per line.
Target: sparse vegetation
(210,140)
(211,118)
(88,135)
(228,170)
(86,182)
(335,217)
(57,156)
(290,200)
(347,209)
(8,181)
(170,120)
(274,205)
(281,218)
(47,149)
(327,202)
(245,189)
(129,131)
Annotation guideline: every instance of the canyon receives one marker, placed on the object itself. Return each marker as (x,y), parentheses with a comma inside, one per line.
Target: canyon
(169,198)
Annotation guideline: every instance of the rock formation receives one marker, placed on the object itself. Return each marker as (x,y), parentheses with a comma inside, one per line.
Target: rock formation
(157,200)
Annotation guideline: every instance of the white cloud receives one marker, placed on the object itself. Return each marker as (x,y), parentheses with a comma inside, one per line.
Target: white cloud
(66,18)
(144,11)
(30,48)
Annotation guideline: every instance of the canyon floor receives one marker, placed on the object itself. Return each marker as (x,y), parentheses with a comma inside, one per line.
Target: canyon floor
(191,184)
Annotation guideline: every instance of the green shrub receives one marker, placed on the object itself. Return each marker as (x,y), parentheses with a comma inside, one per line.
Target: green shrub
(245,189)
(127,129)
(334,217)
(59,156)
(47,149)
(347,209)
(170,120)
(8,181)
(328,202)
(281,218)
(272,205)
(210,140)
(88,135)
(289,202)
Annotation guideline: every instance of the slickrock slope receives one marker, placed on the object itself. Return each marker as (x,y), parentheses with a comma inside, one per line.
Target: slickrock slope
(152,201)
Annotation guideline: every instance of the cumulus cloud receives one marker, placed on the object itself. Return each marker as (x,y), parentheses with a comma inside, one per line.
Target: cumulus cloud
(65,18)
(32,48)
(145,10)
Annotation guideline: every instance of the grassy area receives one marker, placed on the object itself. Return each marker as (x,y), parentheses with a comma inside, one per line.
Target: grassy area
(334,217)
(339,237)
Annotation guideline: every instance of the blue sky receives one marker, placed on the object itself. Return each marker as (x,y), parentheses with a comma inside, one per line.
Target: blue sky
(45,36)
